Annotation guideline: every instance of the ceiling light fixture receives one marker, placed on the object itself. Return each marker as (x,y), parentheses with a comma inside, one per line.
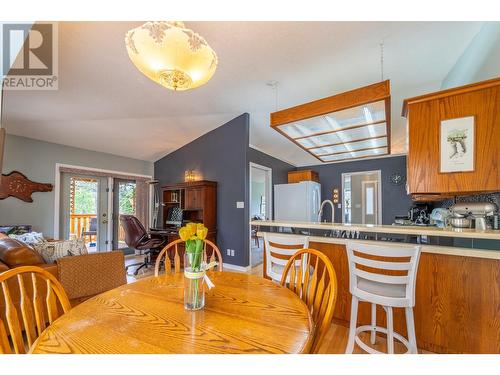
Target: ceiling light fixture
(171,55)
(351,125)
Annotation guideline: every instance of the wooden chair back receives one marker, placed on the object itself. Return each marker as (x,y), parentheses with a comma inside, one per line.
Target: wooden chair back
(279,249)
(33,309)
(311,276)
(210,253)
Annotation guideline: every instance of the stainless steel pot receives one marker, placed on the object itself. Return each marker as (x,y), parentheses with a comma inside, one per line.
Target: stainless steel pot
(460,222)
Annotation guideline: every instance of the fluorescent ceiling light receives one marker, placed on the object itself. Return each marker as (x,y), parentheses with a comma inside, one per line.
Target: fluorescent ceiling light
(368,115)
(345,126)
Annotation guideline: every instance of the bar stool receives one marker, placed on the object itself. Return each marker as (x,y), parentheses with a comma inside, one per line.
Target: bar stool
(381,289)
(280,248)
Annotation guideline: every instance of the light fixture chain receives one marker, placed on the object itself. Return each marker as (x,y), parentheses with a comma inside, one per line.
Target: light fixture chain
(274,85)
(381,61)
(276,96)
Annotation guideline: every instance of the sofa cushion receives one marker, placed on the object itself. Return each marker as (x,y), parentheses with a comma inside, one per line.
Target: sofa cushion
(15,253)
(3,267)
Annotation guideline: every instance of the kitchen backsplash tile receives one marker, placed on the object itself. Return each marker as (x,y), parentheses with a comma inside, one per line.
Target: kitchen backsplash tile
(491,198)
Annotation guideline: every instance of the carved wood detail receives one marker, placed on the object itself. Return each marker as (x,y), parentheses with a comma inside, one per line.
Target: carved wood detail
(15,184)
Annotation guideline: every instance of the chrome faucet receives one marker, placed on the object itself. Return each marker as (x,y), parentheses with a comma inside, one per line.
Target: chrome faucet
(320,212)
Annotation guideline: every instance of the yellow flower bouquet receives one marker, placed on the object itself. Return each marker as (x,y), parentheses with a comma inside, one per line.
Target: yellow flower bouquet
(194,234)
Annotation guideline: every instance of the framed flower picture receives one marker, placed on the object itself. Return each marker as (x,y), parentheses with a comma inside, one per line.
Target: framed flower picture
(457,145)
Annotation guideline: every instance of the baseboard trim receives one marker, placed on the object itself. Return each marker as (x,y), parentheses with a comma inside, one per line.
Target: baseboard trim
(236,268)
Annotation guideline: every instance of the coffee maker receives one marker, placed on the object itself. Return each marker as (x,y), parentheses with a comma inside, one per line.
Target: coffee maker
(419,214)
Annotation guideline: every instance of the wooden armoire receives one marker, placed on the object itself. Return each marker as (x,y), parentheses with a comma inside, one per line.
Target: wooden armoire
(198,201)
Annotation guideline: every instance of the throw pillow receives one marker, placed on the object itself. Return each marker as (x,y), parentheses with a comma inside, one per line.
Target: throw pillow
(30,238)
(77,247)
(51,251)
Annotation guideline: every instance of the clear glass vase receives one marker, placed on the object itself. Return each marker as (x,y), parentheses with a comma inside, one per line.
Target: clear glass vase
(194,291)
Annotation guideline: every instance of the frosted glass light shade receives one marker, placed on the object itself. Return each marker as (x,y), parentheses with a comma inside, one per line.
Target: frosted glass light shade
(171,55)
(351,125)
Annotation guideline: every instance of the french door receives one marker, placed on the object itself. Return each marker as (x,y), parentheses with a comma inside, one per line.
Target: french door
(124,203)
(84,210)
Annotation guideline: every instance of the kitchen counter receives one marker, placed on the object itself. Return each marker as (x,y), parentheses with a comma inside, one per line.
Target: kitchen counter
(457,293)
(432,249)
(394,229)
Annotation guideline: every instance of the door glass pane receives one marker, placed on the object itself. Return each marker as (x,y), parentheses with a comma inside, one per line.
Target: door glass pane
(370,201)
(126,206)
(83,210)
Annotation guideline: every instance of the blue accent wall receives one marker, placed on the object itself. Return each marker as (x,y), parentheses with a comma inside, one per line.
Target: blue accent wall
(223,155)
(220,156)
(395,201)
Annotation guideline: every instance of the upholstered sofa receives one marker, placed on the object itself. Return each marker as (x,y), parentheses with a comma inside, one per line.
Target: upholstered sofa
(82,276)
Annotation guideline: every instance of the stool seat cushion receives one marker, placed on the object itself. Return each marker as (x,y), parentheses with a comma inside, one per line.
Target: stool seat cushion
(382,289)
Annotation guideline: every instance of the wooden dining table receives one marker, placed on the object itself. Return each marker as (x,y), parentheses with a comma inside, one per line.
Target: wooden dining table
(242,314)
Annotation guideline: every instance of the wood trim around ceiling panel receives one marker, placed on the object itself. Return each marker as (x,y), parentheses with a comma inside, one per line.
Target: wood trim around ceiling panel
(297,143)
(349,99)
(388,123)
(345,143)
(340,130)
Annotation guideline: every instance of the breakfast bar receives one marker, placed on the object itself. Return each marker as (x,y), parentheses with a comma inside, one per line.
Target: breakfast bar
(458,282)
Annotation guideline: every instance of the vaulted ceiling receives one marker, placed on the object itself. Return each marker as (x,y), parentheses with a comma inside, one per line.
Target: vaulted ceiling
(105,104)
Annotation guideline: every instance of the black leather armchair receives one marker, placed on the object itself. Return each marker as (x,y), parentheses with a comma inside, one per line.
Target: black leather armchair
(138,238)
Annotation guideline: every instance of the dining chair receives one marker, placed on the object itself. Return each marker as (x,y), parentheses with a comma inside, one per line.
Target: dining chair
(34,308)
(317,289)
(210,253)
(278,250)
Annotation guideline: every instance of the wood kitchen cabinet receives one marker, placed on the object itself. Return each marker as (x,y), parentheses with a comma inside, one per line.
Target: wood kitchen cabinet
(425,113)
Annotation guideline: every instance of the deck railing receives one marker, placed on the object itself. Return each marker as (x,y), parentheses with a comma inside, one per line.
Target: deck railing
(77,223)
(81,222)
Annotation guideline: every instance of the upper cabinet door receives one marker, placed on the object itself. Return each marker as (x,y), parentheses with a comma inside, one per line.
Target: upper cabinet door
(193,198)
(425,114)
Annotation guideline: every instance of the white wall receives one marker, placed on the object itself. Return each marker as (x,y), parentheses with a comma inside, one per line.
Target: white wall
(37,160)
(480,60)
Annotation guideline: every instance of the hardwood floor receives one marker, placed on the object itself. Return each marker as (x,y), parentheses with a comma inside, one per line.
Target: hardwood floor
(335,340)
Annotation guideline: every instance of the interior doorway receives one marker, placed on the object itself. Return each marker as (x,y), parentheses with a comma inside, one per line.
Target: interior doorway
(260,191)
(362,198)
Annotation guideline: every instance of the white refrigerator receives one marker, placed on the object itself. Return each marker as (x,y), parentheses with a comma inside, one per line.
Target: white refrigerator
(297,202)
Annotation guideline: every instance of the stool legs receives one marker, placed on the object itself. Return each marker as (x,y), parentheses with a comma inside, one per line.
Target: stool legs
(374,324)
(390,331)
(410,327)
(352,325)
